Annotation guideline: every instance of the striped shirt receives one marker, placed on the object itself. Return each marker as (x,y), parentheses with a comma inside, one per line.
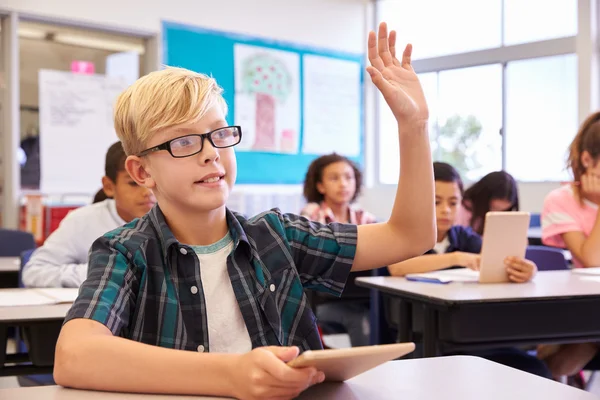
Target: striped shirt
(146,286)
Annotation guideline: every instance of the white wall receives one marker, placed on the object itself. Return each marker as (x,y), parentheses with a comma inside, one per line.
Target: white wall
(338,24)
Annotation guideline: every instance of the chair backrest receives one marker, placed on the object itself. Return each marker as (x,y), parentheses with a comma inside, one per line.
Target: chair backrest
(25,256)
(13,243)
(547,258)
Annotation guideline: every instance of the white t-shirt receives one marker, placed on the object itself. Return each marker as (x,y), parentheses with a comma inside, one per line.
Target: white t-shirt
(227,331)
(441,247)
(62,260)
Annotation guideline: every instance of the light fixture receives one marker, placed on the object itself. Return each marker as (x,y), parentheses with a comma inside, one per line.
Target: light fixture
(93,42)
(28,33)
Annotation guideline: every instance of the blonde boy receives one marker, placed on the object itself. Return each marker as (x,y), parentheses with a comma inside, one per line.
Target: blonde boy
(192,275)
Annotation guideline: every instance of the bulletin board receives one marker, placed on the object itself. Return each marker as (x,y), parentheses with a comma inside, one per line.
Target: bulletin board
(293,102)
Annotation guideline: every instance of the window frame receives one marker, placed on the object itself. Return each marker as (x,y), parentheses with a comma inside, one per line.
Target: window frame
(585,45)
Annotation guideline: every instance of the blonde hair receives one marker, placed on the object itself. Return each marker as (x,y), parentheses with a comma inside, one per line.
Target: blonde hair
(160,100)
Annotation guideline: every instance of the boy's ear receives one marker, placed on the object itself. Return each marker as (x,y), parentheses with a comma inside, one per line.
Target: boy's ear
(108,186)
(320,188)
(139,171)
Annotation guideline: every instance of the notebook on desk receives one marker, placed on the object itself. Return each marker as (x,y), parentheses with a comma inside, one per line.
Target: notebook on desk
(36,297)
(445,276)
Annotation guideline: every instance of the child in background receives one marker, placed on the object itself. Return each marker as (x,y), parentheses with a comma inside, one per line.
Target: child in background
(62,260)
(195,299)
(331,186)
(99,196)
(457,246)
(497,191)
(570,220)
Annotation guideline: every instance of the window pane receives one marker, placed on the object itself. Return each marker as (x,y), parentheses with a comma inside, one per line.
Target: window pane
(442,27)
(533,20)
(469,120)
(389,162)
(541,116)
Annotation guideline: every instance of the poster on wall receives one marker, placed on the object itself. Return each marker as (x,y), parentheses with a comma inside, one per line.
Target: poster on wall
(332,106)
(267,99)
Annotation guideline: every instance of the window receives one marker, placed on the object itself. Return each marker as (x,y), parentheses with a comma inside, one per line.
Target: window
(470,119)
(541,108)
(442,27)
(554,19)
(389,161)
(485,64)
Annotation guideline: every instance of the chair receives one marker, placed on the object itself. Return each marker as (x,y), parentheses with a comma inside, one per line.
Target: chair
(547,258)
(13,243)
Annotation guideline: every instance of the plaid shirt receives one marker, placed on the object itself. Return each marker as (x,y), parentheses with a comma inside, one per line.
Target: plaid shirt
(144,285)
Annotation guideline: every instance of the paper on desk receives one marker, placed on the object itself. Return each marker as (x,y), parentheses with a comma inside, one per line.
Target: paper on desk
(61,295)
(36,297)
(586,271)
(450,275)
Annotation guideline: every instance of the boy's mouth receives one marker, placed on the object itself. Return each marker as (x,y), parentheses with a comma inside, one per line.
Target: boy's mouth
(211,178)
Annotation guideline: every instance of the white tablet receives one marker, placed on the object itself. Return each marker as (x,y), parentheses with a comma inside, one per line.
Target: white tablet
(342,364)
(504,235)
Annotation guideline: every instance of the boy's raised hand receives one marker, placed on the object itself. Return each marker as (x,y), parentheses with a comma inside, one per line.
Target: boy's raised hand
(396,80)
(263,374)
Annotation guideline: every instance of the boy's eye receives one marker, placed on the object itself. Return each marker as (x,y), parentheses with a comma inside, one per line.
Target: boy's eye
(132,183)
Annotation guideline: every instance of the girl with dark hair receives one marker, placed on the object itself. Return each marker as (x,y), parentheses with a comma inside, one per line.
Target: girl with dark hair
(332,184)
(497,191)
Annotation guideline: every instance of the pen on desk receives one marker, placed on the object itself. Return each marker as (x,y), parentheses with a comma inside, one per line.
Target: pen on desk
(426,280)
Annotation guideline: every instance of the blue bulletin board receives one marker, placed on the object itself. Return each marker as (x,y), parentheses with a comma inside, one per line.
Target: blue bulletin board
(212,52)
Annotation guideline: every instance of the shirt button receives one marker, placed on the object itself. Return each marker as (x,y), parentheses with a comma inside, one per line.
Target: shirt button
(200,349)
(194,289)
(272,287)
(183,251)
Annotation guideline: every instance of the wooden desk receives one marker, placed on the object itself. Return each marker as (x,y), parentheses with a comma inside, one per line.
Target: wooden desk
(9,272)
(39,326)
(556,307)
(463,378)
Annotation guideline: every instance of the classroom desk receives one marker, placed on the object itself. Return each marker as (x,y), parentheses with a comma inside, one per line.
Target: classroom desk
(9,272)
(459,377)
(557,306)
(40,325)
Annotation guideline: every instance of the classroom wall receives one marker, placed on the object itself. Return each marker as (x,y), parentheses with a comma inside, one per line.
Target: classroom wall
(340,23)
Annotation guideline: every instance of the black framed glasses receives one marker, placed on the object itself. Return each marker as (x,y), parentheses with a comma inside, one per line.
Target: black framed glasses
(188,145)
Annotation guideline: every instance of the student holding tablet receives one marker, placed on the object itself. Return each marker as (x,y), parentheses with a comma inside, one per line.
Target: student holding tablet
(457,246)
(460,246)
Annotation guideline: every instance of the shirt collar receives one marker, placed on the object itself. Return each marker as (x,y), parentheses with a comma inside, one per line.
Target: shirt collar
(167,239)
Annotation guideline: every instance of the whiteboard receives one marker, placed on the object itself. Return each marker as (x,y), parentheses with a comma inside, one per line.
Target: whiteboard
(76,129)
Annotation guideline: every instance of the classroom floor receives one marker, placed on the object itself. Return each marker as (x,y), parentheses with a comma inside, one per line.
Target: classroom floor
(338,341)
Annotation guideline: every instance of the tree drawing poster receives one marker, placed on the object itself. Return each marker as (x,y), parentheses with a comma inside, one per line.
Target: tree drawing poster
(267,99)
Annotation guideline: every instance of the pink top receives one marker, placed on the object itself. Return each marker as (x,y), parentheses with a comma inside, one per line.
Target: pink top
(564,213)
(323,214)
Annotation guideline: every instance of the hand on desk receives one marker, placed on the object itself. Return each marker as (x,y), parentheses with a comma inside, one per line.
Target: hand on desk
(467,260)
(263,373)
(519,269)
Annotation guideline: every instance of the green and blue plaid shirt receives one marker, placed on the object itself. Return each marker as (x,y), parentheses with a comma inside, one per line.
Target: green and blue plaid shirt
(144,285)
